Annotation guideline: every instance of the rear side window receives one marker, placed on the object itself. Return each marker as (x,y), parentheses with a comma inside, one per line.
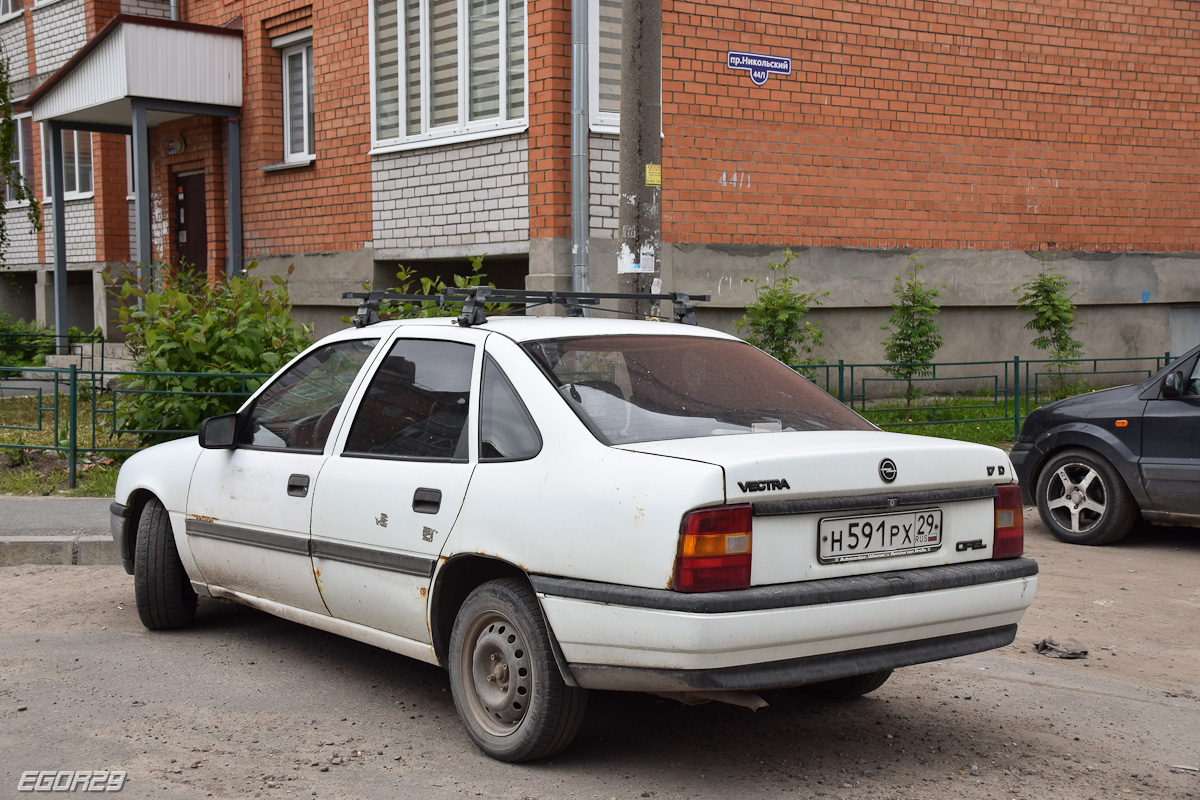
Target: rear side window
(417,404)
(506,431)
(297,410)
(648,388)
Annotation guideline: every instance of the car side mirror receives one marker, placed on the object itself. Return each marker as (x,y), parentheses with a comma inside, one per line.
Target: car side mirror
(219,433)
(1173,386)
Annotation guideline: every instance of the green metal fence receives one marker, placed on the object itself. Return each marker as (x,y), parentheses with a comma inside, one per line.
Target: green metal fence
(998,391)
(77,410)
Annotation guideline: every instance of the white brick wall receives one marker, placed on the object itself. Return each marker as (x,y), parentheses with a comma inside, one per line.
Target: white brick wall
(22,239)
(604,181)
(460,194)
(147,8)
(12,45)
(81,231)
(59,30)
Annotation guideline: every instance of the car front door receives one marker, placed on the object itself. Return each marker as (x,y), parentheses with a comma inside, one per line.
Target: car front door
(386,501)
(249,508)
(1171,447)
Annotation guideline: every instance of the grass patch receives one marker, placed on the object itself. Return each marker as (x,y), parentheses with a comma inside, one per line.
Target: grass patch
(27,427)
(968,418)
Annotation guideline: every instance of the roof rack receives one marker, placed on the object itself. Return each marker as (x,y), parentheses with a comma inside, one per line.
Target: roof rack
(475,298)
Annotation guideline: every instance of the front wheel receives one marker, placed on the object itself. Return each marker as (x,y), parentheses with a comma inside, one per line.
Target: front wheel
(506,685)
(165,598)
(1083,500)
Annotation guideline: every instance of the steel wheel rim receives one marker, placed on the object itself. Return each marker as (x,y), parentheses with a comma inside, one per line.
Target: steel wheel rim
(1077,497)
(497,674)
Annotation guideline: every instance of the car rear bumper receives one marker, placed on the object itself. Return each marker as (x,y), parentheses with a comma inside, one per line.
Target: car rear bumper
(626,638)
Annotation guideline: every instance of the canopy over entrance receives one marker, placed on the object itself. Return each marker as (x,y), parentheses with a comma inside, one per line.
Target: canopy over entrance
(136,73)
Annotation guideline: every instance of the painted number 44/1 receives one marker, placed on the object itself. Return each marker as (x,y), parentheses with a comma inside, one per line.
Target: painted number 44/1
(735,180)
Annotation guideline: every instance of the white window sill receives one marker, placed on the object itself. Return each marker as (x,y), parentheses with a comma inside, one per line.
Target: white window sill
(296,164)
(38,4)
(14,15)
(70,198)
(439,140)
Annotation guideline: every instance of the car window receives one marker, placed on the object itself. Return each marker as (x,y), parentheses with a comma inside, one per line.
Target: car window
(297,410)
(647,388)
(417,403)
(1191,387)
(506,431)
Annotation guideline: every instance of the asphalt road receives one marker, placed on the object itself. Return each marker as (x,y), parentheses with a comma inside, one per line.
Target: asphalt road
(244,704)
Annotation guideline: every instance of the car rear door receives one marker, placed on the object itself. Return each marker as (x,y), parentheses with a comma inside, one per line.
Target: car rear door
(387,500)
(248,509)
(1170,459)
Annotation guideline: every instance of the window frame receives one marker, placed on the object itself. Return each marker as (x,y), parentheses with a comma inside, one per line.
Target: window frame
(304,48)
(464,129)
(75,194)
(11,13)
(599,121)
(26,169)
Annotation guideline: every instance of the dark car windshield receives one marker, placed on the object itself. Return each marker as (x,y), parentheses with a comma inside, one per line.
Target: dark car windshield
(648,388)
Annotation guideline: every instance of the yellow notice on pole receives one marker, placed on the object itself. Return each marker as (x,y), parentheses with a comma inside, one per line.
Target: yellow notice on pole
(654,174)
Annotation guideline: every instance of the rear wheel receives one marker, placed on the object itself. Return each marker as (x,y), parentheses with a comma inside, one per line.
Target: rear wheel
(849,688)
(506,685)
(165,598)
(1083,500)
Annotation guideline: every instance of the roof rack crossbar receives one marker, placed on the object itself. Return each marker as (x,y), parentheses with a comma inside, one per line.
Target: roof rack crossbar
(475,298)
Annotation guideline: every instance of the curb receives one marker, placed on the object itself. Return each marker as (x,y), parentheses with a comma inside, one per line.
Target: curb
(88,550)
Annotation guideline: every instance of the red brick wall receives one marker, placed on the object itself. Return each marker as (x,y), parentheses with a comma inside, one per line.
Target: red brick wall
(110,204)
(325,207)
(549,108)
(1064,124)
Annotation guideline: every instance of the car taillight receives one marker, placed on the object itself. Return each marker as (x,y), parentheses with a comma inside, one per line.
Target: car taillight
(714,550)
(1009,540)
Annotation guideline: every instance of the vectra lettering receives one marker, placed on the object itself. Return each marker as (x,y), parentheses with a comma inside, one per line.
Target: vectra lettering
(771,485)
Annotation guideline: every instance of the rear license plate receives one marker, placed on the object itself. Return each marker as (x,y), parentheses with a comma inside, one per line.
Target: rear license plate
(880,535)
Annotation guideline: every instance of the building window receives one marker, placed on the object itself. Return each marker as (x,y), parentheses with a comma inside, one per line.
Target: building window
(9,8)
(22,160)
(298,103)
(77,164)
(445,68)
(604,50)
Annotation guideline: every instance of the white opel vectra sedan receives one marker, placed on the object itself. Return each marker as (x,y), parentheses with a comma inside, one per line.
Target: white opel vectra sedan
(549,505)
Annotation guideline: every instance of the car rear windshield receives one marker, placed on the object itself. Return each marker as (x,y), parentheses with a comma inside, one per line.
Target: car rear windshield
(648,388)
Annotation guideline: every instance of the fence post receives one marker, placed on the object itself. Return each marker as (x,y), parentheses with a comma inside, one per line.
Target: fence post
(72,387)
(1016,397)
(841,380)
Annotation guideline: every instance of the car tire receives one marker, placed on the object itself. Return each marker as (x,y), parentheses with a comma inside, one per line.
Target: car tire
(164,594)
(1083,500)
(851,687)
(505,682)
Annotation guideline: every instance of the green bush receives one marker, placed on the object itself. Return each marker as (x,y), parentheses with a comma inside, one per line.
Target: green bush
(915,335)
(22,343)
(777,319)
(1054,318)
(410,284)
(185,328)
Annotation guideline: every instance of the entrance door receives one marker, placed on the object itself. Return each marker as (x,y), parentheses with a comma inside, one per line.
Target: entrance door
(191,221)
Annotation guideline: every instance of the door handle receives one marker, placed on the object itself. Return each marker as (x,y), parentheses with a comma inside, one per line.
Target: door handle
(427,501)
(298,486)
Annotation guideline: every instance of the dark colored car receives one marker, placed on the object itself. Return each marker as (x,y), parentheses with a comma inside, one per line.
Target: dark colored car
(1093,463)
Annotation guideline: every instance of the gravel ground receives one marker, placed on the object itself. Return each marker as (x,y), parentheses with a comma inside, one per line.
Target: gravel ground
(243,704)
